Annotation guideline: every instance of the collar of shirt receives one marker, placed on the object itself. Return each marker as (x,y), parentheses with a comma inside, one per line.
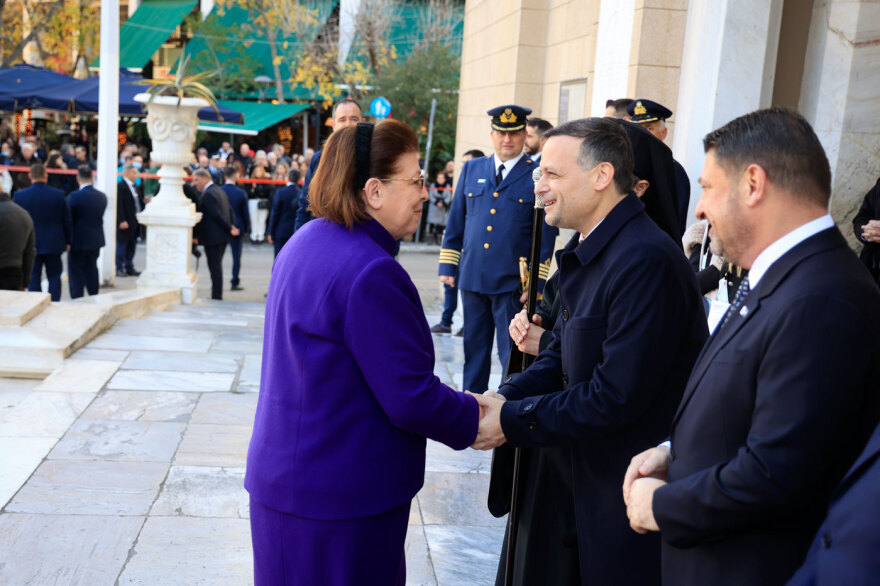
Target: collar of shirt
(508,165)
(84,185)
(209,184)
(129,183)
(776,250)
(582,237)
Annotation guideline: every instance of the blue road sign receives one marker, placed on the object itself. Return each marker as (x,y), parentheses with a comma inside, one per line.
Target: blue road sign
(380,107)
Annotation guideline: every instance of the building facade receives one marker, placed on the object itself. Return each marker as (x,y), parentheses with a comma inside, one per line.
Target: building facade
(707,60)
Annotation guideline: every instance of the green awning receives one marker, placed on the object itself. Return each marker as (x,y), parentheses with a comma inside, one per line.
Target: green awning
(257,116)
(150,26)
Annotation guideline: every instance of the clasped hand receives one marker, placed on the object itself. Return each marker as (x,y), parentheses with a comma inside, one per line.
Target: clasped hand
(646,473)
(489,434)
(526,336)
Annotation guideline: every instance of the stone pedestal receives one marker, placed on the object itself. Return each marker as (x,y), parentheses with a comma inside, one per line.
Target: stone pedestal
(170,215)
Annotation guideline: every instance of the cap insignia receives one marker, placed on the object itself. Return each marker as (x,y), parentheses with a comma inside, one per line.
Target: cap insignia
(639,110)
(508,117)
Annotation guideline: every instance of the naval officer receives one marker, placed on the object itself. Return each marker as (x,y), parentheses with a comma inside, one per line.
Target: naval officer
(489,229)
(652,117)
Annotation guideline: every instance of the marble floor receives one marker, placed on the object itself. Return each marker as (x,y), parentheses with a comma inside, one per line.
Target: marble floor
(126,465)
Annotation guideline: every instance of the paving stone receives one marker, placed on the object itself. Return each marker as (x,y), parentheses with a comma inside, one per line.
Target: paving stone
(43,414)
(113,341)
(250,372)
(137,441)
(191,551)
(226,409)
(135,327)
(21,456)
(419,569)
(64,549)
(248,388)
(214,445)
(98,354)
(182,361)
(79,376)
(153,380)
(202,491)
(18,384)
(456,499)
(441,458)
(143,406)
(90,488)
(233,345)
(464,555)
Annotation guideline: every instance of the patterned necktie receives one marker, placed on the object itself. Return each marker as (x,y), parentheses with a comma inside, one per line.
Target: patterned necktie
(741,293)
(500,177)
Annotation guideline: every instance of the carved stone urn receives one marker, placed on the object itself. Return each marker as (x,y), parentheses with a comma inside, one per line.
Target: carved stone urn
(170,216)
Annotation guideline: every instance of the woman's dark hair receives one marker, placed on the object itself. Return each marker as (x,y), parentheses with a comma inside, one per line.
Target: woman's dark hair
(334,192)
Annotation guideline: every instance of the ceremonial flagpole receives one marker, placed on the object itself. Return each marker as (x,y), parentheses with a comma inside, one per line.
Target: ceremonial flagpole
(527,359)
(108,128)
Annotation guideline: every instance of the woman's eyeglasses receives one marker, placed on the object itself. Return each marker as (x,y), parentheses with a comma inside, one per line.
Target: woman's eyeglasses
(419,180)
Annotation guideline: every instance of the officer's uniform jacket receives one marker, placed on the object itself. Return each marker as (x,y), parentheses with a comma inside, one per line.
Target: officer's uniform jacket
(490,228)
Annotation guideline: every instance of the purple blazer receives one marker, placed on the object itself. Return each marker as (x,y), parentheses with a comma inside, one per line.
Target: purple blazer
(348,392)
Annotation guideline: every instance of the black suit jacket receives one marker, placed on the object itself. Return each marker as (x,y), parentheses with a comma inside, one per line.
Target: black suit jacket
(217,217)
(87,207)
(870,210)
(779,404)
(125,212)
(284,207)
(630,329)
(51,215)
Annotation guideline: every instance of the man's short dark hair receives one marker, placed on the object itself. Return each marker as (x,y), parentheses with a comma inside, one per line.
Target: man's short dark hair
(344,101)
(475,153)
(602,141)
(783,144)
(38,171)
(4,196)
(201,172)
(620,105)
(231,171)
(293,175)
(540,125)
(84,172)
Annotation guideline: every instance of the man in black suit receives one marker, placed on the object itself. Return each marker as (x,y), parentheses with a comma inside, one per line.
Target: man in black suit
(128,205)
(87,206)
(238,201)
(52,228)
(284,207)
(784,395)
(631,327)
(216,228)
(16,245)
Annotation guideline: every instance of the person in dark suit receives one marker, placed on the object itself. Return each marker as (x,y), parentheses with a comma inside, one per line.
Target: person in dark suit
(128,205)
(216,228)
(631,327)
(238,201)
(52,228)
(345,113)
(87,206)
(489,228)
(16,245)
(283,218)
(866,226)
(784,395)
(845,548)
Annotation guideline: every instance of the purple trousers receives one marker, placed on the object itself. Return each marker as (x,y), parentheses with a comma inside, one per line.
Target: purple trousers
(293,551)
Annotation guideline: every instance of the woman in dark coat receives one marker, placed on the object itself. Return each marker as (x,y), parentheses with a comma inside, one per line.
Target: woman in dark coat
(866,226)
(348,393)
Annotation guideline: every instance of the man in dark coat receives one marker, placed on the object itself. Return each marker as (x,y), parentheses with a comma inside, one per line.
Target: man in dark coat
(127,228)
(784,395)
(345,113)
(631,327)
(866,226)
(845,548)
(238,201)
(52,229)
(87,206)
(216,228)
(283,217)
(16,245)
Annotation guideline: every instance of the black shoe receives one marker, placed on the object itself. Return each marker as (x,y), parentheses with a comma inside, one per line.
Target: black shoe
(121,274)
(236,288)
(459,333)
(440,329)
(132,273)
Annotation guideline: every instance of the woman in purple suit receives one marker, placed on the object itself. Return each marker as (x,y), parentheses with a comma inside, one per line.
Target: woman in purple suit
(348,392)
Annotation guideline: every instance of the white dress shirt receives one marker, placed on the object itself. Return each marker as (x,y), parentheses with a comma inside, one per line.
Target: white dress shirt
(508,165)
(776,250)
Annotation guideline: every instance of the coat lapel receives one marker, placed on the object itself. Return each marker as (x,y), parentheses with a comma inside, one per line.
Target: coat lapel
(775,275)
(523,166)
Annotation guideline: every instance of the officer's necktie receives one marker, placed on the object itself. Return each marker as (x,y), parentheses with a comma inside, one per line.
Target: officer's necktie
(500,176)
(741,293)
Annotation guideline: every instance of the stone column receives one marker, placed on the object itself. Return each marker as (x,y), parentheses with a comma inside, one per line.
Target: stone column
(727,70)
(840,96)
(170,215)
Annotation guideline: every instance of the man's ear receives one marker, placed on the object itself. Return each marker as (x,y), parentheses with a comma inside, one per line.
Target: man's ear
(641,187)
(373,193)
(604,176)
(754,179)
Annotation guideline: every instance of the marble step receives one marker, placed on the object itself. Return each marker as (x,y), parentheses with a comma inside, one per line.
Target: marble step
(38,347)
(18,307)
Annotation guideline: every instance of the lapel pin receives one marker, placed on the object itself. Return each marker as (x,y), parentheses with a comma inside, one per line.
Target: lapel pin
(744,311)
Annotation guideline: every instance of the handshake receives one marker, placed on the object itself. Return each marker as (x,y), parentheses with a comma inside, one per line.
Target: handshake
(489,433)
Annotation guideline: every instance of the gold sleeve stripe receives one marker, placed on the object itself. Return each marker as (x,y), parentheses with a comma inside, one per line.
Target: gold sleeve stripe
(544,270)
(450,254)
